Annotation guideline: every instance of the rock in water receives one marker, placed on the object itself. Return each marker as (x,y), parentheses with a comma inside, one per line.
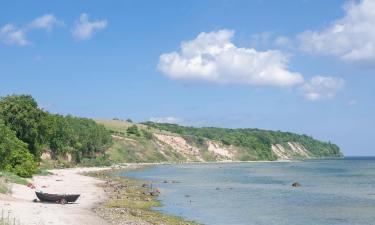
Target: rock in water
(296,184)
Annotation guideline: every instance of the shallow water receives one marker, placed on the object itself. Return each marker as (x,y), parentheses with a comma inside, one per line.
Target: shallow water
(333,192)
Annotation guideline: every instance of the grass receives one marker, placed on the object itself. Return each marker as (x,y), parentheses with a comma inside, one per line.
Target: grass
(128,201)
(12,178)
(4,188)
(43,172)
(6,178)
(119,126)
(139,149)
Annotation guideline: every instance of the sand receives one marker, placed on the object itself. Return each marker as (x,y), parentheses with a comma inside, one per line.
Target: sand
(21,206)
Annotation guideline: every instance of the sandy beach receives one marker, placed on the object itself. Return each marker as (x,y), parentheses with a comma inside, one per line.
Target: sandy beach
(21,206)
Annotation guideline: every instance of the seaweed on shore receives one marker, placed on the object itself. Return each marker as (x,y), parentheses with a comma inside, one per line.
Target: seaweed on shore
(130,201)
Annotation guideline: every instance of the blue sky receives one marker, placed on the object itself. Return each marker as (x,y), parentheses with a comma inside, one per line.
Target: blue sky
(296,65)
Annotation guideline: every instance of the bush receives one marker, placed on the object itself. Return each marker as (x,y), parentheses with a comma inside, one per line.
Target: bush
(22,115)
(14,154)
(133,130)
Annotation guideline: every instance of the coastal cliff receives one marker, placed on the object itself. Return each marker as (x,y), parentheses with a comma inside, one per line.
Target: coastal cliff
(155,142)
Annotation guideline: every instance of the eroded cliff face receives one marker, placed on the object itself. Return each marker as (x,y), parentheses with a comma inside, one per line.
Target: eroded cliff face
(215,150)
(172,147)
(180,145)
(220,152)
(290,151)
(152,142)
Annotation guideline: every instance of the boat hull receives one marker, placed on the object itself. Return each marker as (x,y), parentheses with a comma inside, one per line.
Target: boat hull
(45,197)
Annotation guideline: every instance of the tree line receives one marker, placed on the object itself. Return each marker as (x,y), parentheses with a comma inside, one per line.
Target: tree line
(26,130)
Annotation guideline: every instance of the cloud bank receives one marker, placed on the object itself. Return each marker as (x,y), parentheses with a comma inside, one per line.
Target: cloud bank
(322,87)
(214,58)
(351,38)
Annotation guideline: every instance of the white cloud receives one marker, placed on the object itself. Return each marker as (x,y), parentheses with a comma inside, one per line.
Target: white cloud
(46,22)
(351,38)
(12,35)
(321,87)
(168,119)
(84,29)
(214,58)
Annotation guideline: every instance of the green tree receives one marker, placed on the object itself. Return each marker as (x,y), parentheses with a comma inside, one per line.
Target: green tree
(22,115)
(58,134)
(14,155)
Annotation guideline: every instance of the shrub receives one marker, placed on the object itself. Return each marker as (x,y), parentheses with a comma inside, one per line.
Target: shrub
(14,154)
(133,130)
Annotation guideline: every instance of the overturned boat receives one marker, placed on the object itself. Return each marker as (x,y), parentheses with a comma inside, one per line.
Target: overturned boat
(57,198)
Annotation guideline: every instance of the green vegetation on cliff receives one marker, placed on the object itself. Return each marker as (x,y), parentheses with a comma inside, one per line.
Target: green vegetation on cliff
(155,142)
(256,142)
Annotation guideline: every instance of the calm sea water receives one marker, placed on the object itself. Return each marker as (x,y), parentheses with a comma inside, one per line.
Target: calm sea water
(333,192)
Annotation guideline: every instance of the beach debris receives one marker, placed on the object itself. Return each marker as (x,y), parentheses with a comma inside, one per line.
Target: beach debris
(30,185)
(296,184)
(145,185)
(165,182)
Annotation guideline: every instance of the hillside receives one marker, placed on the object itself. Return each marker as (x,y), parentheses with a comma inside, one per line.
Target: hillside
(155,142)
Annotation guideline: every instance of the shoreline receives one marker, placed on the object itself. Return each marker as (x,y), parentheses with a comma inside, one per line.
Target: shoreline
(131,200)
(94,185)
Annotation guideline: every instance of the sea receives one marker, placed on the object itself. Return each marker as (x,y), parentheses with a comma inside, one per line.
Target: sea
(332,192)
